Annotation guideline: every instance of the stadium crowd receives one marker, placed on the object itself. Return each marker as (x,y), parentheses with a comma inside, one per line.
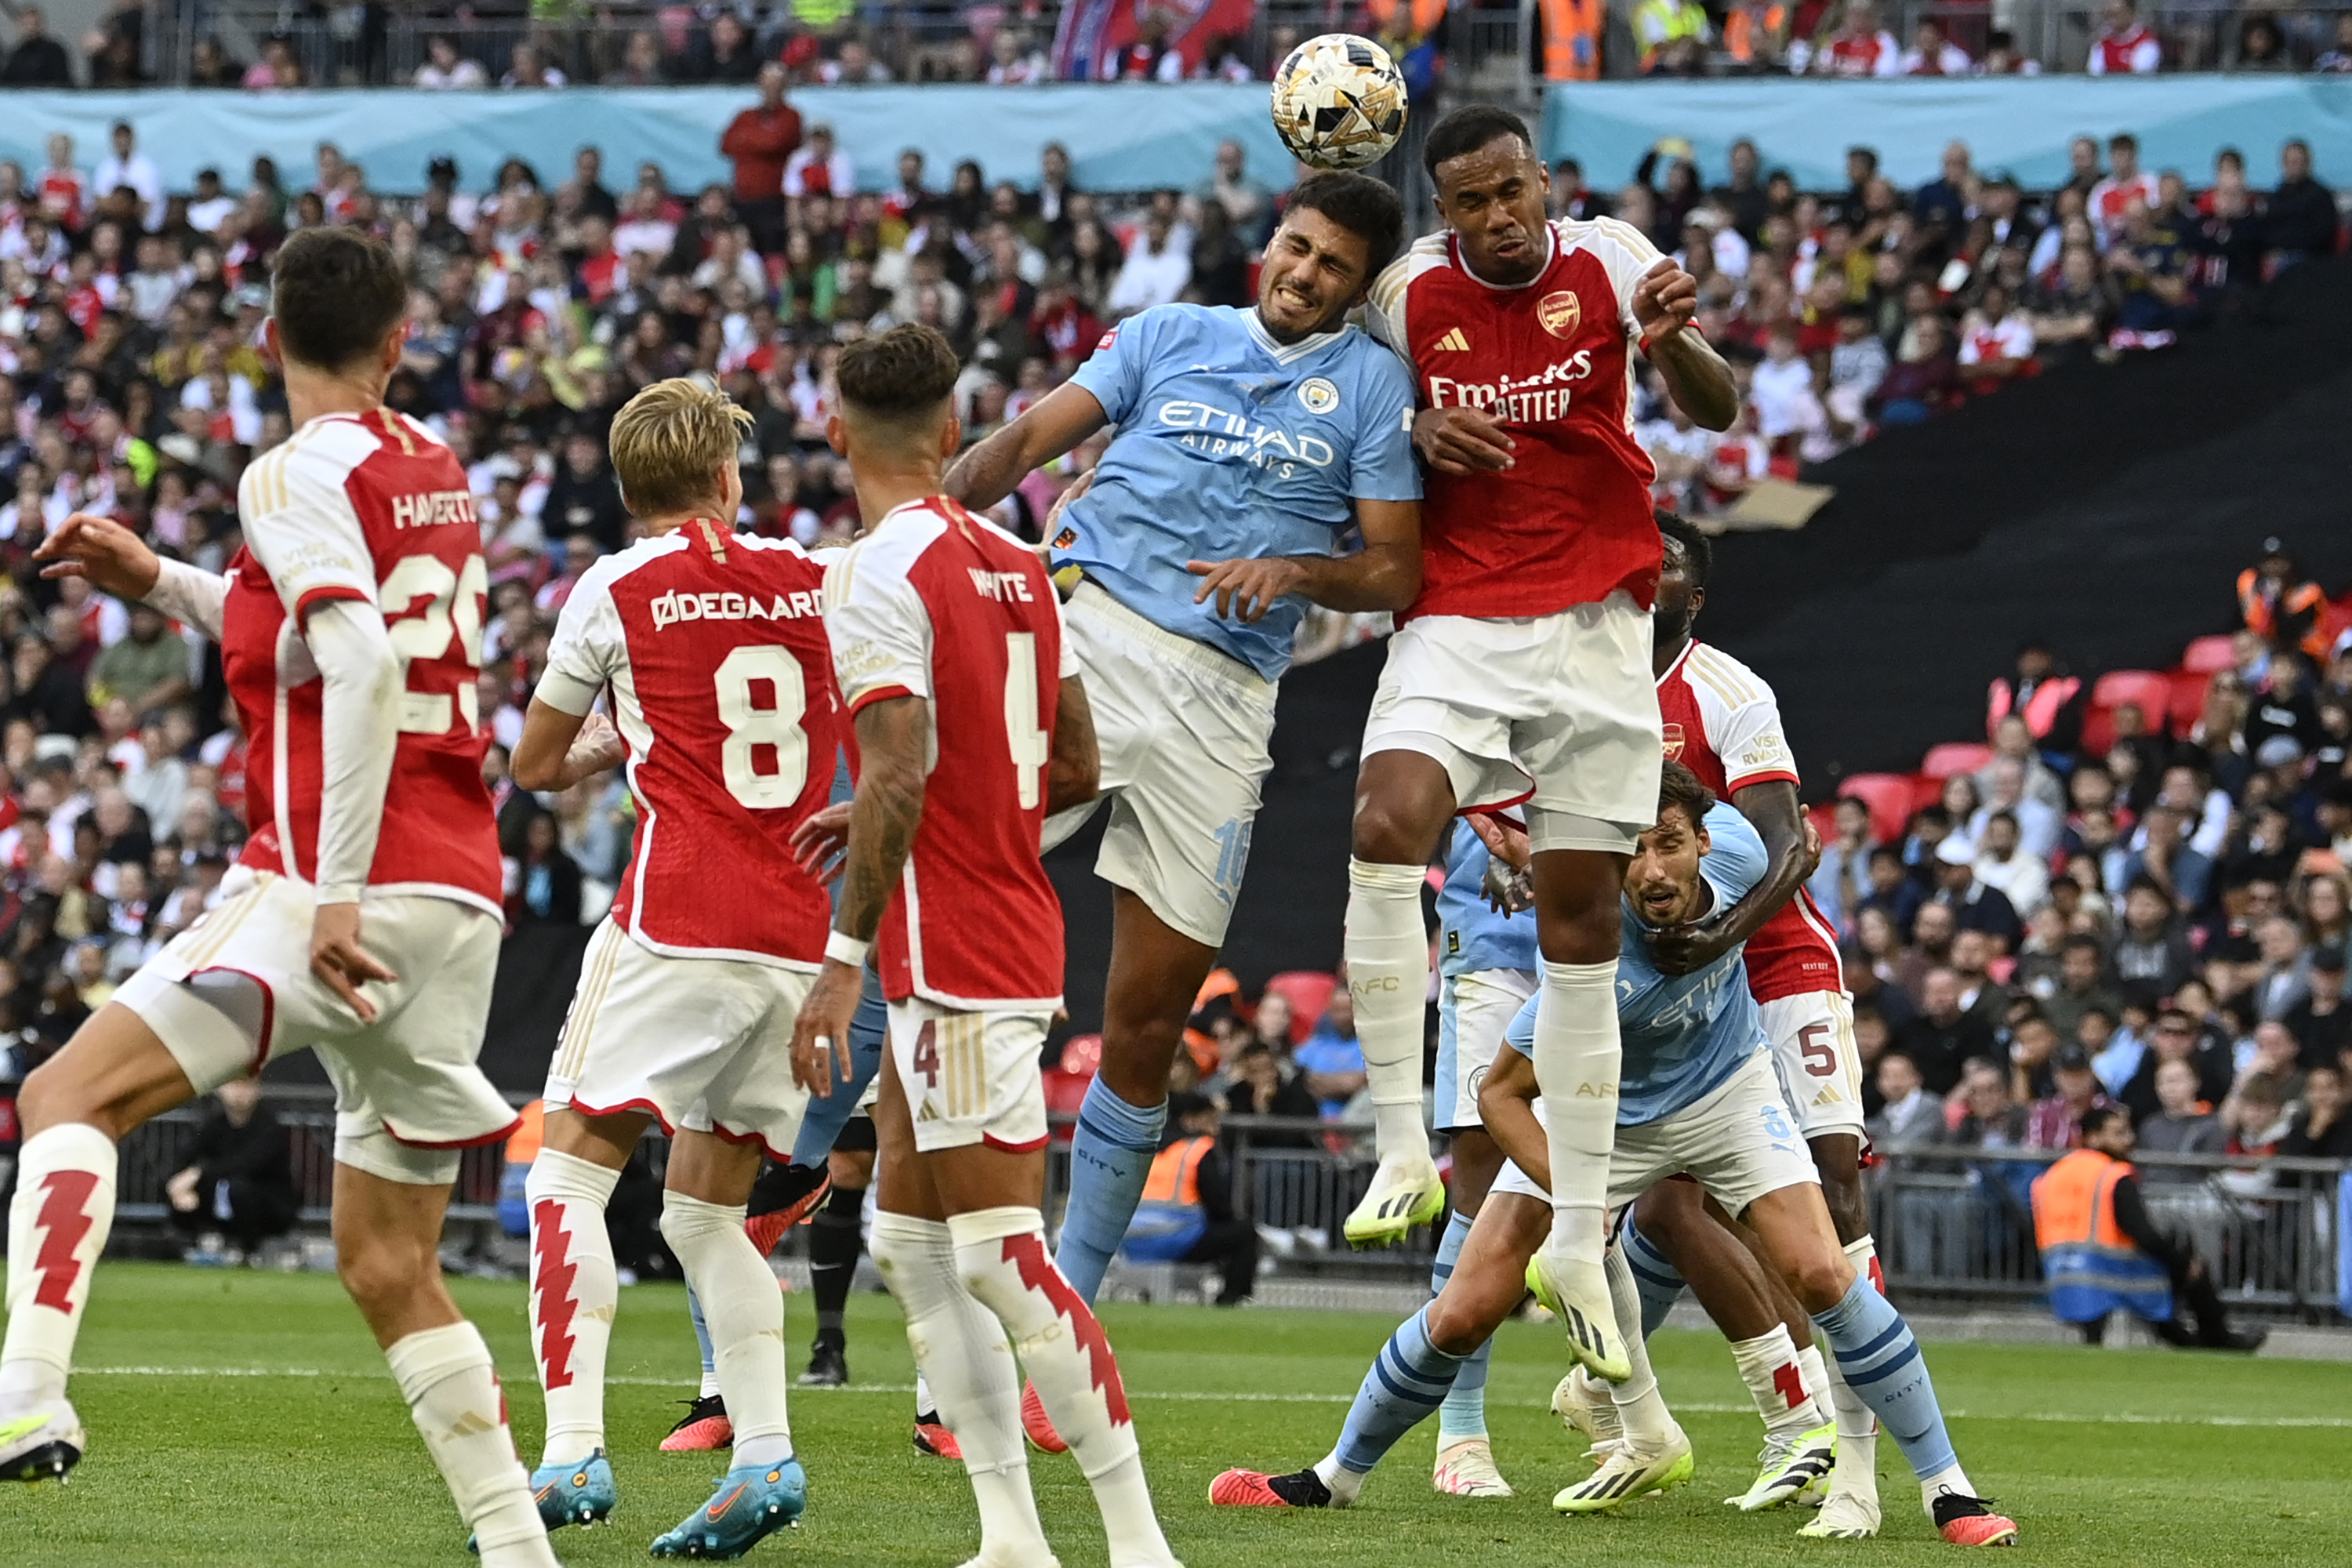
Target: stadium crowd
(132,383)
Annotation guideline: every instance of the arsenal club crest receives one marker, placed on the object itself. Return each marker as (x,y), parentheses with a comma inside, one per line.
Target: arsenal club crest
(1559,313)
(1672,736)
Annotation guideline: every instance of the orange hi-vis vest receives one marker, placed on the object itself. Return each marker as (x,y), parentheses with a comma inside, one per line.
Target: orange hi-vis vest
(2300,599)
(2090,1266)
(1745,30)
(1424,16)
(1571,32)
(2040,710)
(1175,1175)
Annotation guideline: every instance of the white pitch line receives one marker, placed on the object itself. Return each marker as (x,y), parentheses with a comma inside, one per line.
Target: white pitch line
(1206,1396)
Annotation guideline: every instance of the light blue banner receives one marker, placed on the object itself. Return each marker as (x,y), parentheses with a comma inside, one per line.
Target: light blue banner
(2021,124)
(1120,136)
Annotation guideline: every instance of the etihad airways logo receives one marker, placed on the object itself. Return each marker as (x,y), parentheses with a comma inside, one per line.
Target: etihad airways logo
(1536,399)
(673,608)
(1217,433)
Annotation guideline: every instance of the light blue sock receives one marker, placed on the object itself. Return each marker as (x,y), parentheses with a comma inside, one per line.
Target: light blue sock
(827,1115)
(1110,1156)
(1659,1282)
(702,1338)
(1408,1380)
(1463,1414)
(1882,1363)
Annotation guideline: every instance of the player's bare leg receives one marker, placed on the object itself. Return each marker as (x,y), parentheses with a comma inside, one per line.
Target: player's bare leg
(1576,1055)
(387,1251)
(960,1240)
(1678,1234)
(113,1075)
(1853,1501)
(1878,1355)
(706,1190)
(1156,972)
(1465,1466)
(1403,802)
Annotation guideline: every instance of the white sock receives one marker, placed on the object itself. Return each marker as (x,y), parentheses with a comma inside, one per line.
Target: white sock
(57,1226)
(1815,1368)
(574,1292)
(1576,1061)
(968,1376)
(708,1388)
(924,1403)
(1952,1478)
(1001,1258)
(1648,1423)
(1856,1474)
(745,1314)
(1388,975)
(452,1394)
(1771,1367)
(1344,1484)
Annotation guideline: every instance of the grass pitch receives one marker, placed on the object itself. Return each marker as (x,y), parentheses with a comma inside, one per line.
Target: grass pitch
(246,1419)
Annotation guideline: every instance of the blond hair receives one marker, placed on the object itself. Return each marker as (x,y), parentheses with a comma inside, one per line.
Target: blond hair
(669,440)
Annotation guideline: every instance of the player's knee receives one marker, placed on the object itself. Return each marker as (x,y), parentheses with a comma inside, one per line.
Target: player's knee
(383,1274)
(1399,826)
(1578,924)
(1819,1281)
(1456,1325)
(54,1098)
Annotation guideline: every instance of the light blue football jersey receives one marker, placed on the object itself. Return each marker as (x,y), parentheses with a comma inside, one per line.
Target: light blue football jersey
(1229,446)
(1683,1035)
(1471,935)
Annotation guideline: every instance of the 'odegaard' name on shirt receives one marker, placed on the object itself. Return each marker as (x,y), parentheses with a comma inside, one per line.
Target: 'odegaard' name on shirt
(672,607)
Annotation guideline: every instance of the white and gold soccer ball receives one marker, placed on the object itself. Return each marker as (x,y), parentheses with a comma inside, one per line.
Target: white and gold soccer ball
(1338,102)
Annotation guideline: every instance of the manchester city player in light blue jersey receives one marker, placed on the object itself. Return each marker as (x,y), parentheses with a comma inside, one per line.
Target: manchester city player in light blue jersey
(1697,1095)
(1486,972)
(1261,461)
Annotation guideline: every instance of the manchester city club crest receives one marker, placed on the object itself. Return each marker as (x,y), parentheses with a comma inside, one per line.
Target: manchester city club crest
(1318,395)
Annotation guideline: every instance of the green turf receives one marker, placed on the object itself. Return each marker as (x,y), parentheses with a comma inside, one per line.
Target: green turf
(2106,1456)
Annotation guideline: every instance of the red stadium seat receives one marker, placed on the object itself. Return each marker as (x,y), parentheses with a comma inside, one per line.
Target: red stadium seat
(2151,692)
(1925,790)
(2187,699)
(1888,795)
(2206,655)
(1954,757)
(1309,991)
(1082,1055)
(1825,820)
(1066,1085)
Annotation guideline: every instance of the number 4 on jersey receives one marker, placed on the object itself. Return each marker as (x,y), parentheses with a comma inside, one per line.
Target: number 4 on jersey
(1031,747)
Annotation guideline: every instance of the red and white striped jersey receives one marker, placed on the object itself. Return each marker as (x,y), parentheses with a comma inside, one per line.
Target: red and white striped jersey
(372,510)
(933,602)
(1723,723)
(712,644)
(1551,361)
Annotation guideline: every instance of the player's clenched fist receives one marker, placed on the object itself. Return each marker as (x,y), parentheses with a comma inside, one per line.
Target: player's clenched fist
(1462,441)
(1665,300)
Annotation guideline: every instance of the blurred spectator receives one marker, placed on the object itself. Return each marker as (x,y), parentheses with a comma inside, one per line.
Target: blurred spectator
(1156,270)
(237,1188)
(1943,1036)
(2320,1022)
(819,169)
(2320,1129)
(1932,54)
(761,140)
(1858,46)
(1246,201)
(445,67)
(1664,26)
(1263,1085)
(1330,1060)
(2337,58)
(37,59)
(527,68)
(1910,1114)
(2055,1119)
(545,882)
(2125,46)
(2184,1123)
(1187,1214)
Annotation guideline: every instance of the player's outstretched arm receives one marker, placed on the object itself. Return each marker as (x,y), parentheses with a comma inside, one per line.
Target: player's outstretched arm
(1506,1101)
(1047,428)
(1771,808)
(1385,575)
(118,562)
(1665,302)
(559,749)
(894,737)
(1074,774)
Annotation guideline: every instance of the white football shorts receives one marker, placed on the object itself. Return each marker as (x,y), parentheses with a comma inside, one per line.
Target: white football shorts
(1182,730)
(1558,710)
(1473,1012)
(970,1078)
(703,1044)
(235,990)
(1820,1067)
(1739,1143)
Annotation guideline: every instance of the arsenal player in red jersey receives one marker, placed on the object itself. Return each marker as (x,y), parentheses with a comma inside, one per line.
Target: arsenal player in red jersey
(362,919)
(972,726)
(1522,671)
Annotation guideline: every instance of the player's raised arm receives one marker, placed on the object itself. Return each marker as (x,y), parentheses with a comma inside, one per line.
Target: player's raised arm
(1665,302)
(1048,427)
(113,559)
(1506,1101)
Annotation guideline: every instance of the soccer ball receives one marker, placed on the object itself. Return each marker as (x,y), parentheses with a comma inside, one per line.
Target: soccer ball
(1338,102)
